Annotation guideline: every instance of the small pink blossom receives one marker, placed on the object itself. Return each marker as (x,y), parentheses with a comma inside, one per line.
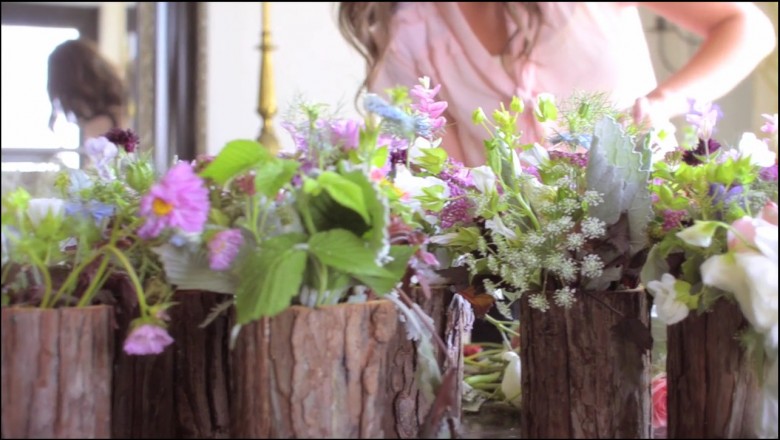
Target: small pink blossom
(179,200)
(424,102)
(223,248)
(147,339)
(658,388)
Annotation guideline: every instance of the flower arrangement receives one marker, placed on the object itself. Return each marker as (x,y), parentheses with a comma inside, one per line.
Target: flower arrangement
(61,252)
(715,236)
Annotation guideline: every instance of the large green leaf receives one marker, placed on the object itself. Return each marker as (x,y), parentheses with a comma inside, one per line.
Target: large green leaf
(620,171)
(271,278)
(382,285)
(345,192)
(378,209)
(236,158)
(344,251)
(274,174)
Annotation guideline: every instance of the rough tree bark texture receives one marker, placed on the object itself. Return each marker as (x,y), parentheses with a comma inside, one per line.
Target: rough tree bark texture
(183,392)
(409,407)
(712,389)
(313,373)
(56,372)
(586,370)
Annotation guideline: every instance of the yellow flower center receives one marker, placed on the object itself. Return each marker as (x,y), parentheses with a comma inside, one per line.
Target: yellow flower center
(161,207)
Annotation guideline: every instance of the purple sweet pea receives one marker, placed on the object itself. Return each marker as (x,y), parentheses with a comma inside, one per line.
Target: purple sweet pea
(704,116)
(147,339)
(346,133)
(223,248)
(769,174)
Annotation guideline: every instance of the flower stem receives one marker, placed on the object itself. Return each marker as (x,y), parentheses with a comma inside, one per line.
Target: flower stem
(93,287)
(46,280)
(133,277)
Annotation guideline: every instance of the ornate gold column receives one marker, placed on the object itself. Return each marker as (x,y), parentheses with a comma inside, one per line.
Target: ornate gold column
(266,105)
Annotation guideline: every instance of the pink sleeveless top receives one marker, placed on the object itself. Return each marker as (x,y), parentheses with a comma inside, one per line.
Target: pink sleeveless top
(590,46)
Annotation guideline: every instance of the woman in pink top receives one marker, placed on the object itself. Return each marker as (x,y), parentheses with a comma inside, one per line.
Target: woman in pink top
(485,53)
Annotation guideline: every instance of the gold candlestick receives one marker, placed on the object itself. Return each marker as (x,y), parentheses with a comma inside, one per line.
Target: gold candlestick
(266,105)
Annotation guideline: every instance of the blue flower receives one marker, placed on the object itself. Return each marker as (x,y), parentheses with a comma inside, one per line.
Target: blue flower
(97,210)
(582,140)
(395,116)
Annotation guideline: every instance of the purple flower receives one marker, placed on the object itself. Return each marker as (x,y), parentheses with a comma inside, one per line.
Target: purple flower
(126,138)
(720,195)
(455,212)
(299,137)
(179,200)
(673,219)
(691,157)
(346,133)
(223,248)
(576,159)
(147,339)
(704,116)
(769,174)
(770,123)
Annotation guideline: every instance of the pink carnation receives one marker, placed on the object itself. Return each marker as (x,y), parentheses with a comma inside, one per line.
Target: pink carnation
(659,401)
(147,339)
(223,248)
(179,200)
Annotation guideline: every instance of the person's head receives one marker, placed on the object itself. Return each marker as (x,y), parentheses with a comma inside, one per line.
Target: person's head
(366,26)
(83,83)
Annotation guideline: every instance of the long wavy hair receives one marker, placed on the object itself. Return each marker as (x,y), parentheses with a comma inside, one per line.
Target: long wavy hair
(83,83)
(366,27)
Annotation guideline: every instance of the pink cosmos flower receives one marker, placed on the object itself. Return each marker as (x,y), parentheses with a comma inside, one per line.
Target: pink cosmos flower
(223,248)
(658,389)
(147,339)
(179,200)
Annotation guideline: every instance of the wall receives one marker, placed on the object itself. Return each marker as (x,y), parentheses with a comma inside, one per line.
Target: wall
(311,61)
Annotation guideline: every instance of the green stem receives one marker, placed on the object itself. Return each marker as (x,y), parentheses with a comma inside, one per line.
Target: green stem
(503,328)
(73,276)
(482,378)
(93,287)
(133,277)
(46,280)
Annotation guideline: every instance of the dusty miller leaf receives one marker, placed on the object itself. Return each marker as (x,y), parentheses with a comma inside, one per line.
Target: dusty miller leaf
(621,174)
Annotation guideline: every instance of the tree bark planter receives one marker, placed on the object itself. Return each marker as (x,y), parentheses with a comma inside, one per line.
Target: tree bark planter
(586,370)
(56,372)
(408,408)
(314,372)
(712,389)
(183,392)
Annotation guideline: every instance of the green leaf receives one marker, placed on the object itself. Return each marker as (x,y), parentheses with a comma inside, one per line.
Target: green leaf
(235,159)
(382,285)
(271,278)
(620,171)
(379,159)
(274,174)
(344,192)
(377,236)
(343,250)
(432,159)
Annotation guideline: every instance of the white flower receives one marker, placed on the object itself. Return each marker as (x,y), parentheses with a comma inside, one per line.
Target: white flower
(101,151)
(444,238)
(535,156)
(497,225)
(510,383)
(670,310)
(662,140)
(420,144)
(484,179)
(38,209)
(758,151)
(412,186)
(700,234)
(752,279)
